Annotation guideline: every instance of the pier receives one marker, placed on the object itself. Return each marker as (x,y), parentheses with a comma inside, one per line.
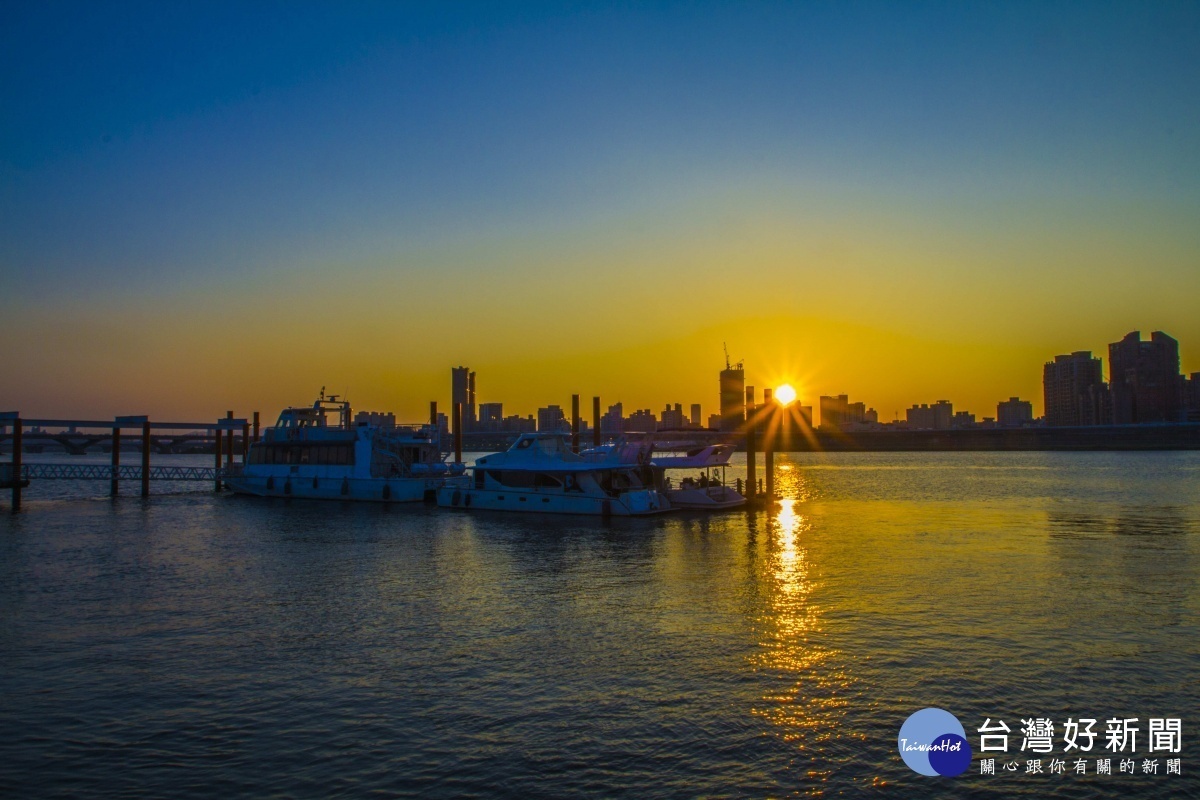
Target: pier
(230,439)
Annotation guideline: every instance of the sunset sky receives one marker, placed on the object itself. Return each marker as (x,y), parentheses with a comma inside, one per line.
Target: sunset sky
(226,206)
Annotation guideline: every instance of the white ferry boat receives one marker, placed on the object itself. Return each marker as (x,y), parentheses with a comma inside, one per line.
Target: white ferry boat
(539,473)
(307,455)
(708,489)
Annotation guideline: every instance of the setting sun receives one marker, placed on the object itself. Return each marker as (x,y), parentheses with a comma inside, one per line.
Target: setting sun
(785,394)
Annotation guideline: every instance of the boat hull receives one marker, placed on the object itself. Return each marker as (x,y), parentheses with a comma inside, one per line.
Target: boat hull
(712,498)
(628,504)
(379,490)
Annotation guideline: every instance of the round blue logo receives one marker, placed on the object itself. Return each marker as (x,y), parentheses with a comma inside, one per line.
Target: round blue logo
(933,742)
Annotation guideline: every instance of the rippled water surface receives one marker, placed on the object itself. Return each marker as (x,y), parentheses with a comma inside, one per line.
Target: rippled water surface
(200,645)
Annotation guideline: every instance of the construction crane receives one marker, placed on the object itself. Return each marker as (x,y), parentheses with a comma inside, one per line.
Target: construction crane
(729,366)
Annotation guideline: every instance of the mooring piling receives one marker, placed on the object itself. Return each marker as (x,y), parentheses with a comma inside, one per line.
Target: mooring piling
(574,423)
(768,414)
(596,421)
(458,432)
(751,424)
(115,488)
(16,464)
(146,457)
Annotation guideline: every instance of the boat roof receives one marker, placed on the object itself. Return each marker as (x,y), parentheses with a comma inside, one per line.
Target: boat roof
(713,455)
(547,452)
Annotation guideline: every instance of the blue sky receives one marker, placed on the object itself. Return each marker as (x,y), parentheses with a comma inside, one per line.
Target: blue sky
(952,167)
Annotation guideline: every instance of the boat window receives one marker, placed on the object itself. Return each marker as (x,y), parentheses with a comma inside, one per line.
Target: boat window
(516,478)
(524,443)
(479,478)
(546,480)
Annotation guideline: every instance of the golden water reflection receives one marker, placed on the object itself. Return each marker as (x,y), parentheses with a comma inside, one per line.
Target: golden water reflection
(812,691)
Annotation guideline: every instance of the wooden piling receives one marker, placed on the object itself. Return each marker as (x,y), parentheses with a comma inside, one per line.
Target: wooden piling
(115,488)
(217,457)
(146,458)
(245,442)
(458,433)
(751,424)
(596,421)
(229,442)
(574,423)
(16,464)
(768,416)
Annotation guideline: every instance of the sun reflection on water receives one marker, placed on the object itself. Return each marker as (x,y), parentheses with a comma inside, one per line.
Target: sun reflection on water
(812,689)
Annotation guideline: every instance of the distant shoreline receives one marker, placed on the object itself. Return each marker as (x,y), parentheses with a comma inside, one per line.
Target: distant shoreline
(1181,436)
(1173,436)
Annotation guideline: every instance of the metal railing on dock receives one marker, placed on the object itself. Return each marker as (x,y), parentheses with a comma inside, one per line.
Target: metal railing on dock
(16,475)
(106,472)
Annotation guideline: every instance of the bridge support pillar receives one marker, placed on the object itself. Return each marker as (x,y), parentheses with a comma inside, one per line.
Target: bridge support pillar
(217,457)
(115,488)
(229,442)
(16,464)
(146,458)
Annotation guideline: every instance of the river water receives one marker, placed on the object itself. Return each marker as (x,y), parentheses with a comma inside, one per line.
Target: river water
(196,644)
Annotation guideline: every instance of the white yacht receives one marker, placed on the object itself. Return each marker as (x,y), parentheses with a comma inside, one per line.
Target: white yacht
(539,473)
(307,455)
(706,490)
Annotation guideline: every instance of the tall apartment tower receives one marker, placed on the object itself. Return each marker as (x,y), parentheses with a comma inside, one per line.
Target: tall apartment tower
(1144,379)
(733,400)
(462,390)
(1074,390)
(491,416)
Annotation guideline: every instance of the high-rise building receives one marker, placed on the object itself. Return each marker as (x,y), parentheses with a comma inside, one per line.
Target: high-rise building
(672,418)
(491,416)
(1074,390)
(462,390)
(1191,396)
(551,419)
(642,420)
(1144,379)
(838,413)
(804,416)
(518,424)
(962,419)
(377,419)
(1014,412)
(833,410)
(733,402)
(695,415)
(937,416)
(613,422)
